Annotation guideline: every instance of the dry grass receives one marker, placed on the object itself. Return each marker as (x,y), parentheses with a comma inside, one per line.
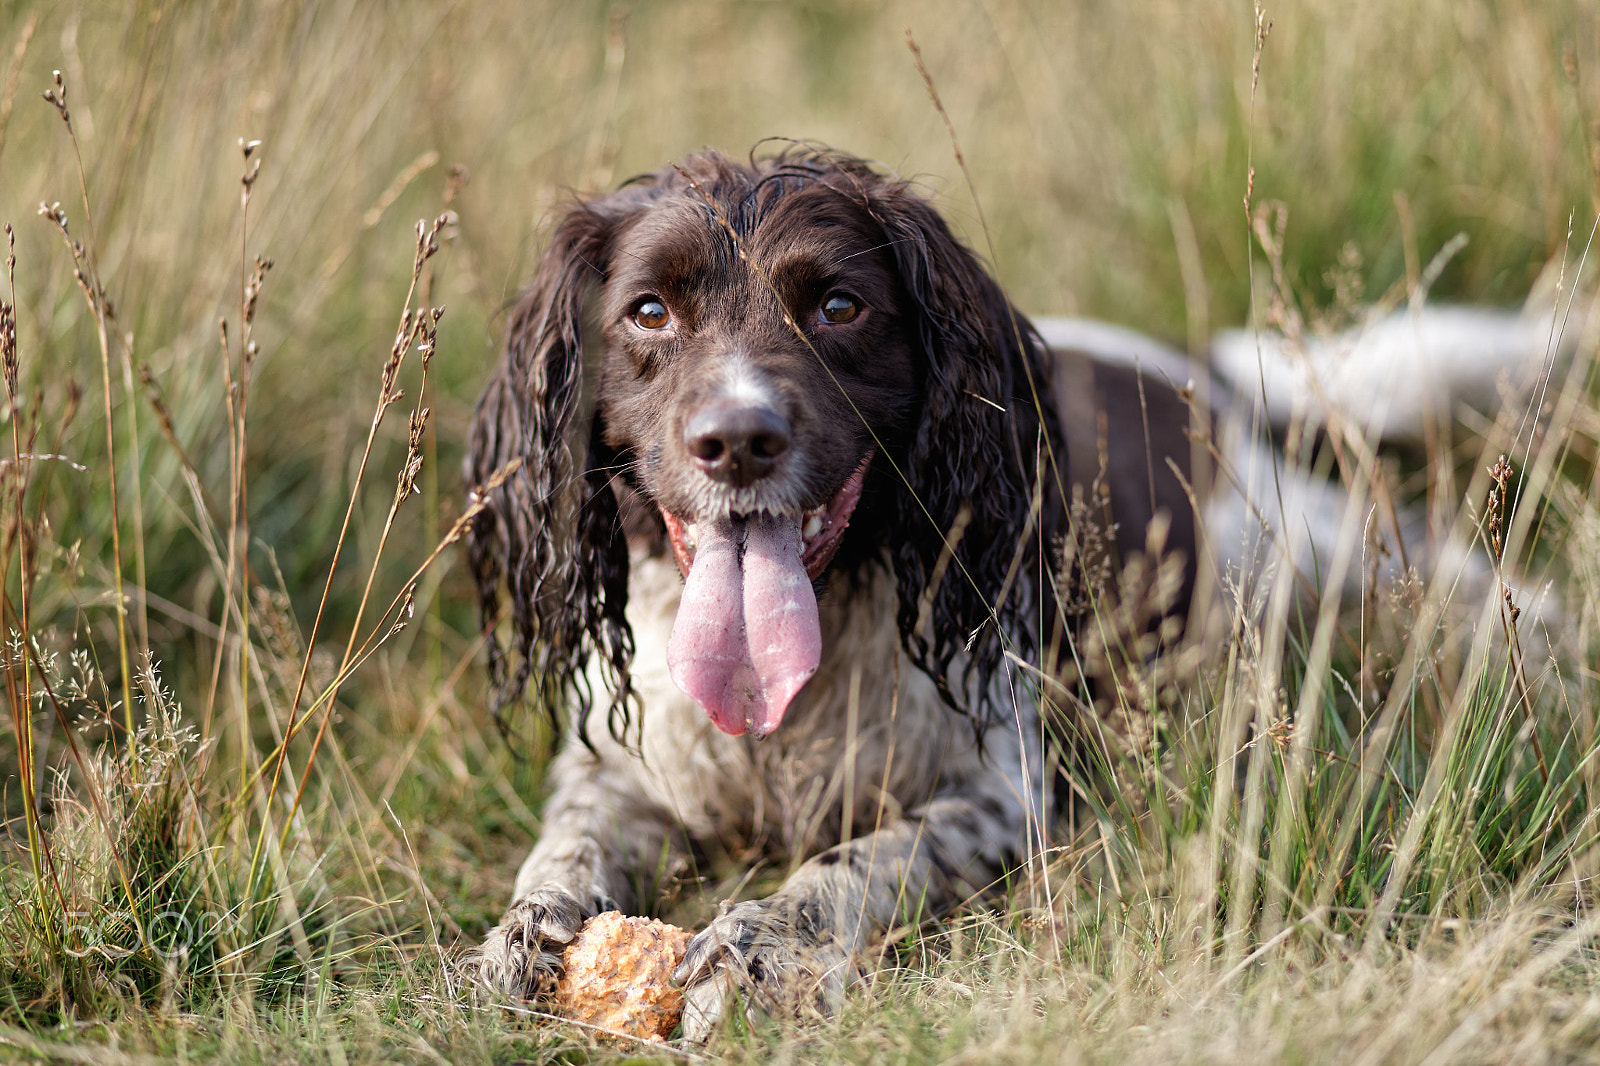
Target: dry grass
(1362,836)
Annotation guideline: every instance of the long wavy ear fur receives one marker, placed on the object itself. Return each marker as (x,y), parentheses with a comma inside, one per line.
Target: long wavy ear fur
(551,530)
(980,469)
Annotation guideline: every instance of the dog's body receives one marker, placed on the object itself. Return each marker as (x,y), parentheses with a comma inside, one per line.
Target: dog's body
(804,385)
(796,517)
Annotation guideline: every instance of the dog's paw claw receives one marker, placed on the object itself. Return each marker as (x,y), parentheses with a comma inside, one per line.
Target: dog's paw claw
(521,957)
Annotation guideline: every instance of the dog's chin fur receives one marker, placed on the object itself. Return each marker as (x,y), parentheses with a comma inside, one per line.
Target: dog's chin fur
(906,775)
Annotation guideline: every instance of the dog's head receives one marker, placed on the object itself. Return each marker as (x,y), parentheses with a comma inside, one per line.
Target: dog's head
(795,369)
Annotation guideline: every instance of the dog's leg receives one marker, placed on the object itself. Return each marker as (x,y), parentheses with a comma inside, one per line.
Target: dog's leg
(601,837)
(795,950)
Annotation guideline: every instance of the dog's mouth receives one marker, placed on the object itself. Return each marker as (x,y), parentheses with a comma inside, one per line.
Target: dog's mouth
(747,635)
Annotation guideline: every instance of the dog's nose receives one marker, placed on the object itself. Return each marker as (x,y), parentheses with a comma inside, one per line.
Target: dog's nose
(736,443)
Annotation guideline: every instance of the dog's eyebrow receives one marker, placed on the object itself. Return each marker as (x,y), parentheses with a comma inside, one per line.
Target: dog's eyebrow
(806,262)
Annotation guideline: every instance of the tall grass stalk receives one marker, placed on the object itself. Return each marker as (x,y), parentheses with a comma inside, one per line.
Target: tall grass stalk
(237,392)
(88,278)
(21,702)
(417,328)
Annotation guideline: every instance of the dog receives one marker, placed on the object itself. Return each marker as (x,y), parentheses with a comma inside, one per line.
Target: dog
(804,509)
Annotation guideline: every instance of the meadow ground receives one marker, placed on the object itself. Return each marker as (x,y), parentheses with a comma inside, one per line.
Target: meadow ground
(1369,835)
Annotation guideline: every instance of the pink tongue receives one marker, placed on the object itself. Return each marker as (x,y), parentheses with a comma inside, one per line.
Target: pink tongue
(747,636)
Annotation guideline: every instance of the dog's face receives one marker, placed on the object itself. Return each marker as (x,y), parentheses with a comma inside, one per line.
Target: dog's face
(776,341)
(749,373)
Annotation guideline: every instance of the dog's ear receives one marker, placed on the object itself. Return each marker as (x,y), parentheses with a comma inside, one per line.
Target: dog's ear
(551,529)
(981,459)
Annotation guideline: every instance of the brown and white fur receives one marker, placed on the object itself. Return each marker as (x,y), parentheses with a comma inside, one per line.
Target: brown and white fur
(792,354)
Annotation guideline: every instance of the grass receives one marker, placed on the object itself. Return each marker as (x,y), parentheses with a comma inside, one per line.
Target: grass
(250,814)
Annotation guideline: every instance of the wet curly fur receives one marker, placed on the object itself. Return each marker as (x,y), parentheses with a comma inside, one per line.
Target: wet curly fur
(907,773)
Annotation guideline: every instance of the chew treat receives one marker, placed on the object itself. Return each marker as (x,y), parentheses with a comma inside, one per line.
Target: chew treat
(619,975)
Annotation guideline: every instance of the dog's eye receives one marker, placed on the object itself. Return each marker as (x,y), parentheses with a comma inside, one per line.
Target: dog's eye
(839,308)
(651,314)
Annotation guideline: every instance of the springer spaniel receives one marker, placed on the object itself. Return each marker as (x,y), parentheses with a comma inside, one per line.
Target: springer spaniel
(796,486)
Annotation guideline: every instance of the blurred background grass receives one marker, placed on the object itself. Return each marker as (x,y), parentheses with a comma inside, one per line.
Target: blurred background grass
(1109,144)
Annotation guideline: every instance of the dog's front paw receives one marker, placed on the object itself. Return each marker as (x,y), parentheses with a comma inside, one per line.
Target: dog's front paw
(522,955)
(766,956)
